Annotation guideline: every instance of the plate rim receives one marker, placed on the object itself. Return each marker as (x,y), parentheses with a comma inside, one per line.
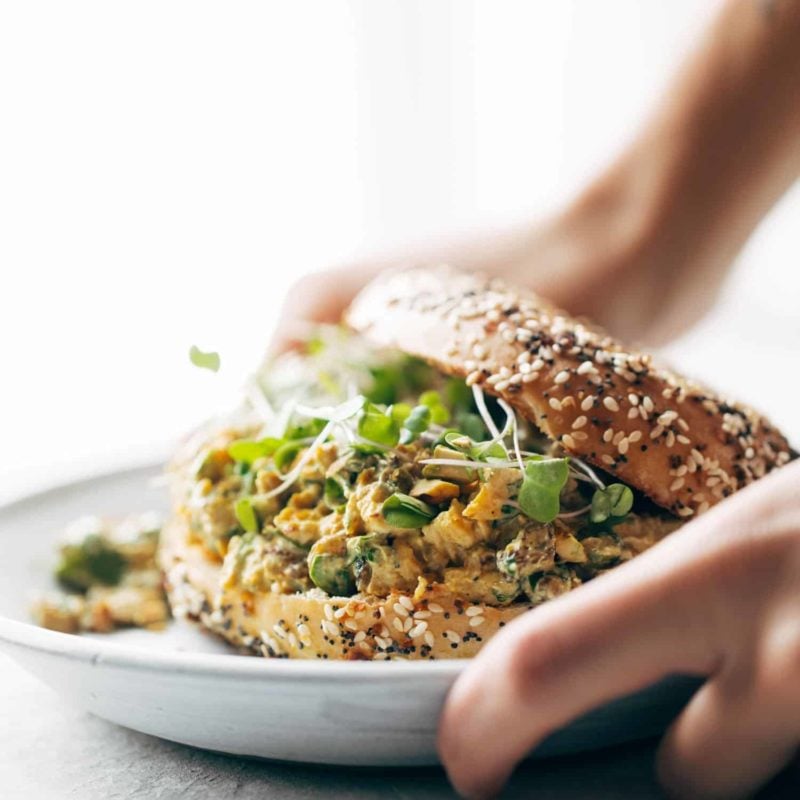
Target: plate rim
(32,637)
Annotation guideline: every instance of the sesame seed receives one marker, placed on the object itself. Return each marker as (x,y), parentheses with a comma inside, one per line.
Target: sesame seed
(749,453)
(474,611)
(670,440)
(329,627)
(608,434)
(538,364)
(383,642)
(585,367)
(683,439)
(351,625)
(633,412)
(407,625)
(623,447)
(561,377)
(473,378)
(633,399)
(360,636)
(703,507)
(476,622)
(479,351)
(422,614)
(304,630)
(568,441)
(397,624)
(648,404)
(501,386)
(435,608)
(667,417)
(656,432)
(452,636)
(429,640)
(530,377)
(580,436)
(587,403)
(524,335)
(340,612)
(685,512)
(579,422)
(328,608)
(554,403)
(677,484)
(634,436)
(610,403)
(618,437)
(607,460)
(418,630)
(400,610)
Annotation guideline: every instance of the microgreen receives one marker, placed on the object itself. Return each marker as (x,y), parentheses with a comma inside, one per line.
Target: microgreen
(335,491)
(305,430)
(286,453)
(403,511)
(399,412)
(415,424)
(378,426)
(246,515)
(204,360)
(471,424)
(477,451)
(247,451)
(440,415)
(539,495)
(616,500)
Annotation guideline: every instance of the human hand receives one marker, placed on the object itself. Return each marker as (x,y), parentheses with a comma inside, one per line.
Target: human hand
(719,598)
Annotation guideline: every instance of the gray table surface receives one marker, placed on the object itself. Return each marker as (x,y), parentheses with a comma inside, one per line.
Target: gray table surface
(48,749)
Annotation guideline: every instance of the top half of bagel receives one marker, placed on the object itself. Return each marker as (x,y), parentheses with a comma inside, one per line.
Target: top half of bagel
(681,444)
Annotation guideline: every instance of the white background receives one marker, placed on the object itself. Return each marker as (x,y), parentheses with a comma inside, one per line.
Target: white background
(167,169)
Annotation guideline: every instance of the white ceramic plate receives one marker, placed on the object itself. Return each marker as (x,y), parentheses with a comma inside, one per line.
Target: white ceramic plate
(184,685)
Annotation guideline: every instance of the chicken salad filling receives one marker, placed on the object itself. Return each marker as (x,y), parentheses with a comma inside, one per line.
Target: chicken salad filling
(394,477)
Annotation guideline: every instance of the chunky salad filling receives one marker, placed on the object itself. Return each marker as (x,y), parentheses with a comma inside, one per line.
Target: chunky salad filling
(108,577)
(391,477)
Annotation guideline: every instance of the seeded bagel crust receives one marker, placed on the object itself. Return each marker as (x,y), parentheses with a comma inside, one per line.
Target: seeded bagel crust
(431,624)
(681,444)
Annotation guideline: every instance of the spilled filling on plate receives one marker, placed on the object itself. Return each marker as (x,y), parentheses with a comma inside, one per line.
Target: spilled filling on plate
(360,472)
(108,577)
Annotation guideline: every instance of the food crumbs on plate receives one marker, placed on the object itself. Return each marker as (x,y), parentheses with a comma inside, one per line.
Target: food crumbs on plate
(108,576)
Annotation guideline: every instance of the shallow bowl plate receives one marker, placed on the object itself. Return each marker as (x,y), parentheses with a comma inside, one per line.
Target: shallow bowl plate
(184,685)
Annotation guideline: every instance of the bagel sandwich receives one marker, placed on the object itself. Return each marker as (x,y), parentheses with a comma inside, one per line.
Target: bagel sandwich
(463,452)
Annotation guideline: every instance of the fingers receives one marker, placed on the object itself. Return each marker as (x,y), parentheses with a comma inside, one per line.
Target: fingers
(615,635)
(695,603)
(317,298)
(727,742)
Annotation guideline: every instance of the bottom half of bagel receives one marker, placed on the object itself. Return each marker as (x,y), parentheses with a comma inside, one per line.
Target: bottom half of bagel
(430,624)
